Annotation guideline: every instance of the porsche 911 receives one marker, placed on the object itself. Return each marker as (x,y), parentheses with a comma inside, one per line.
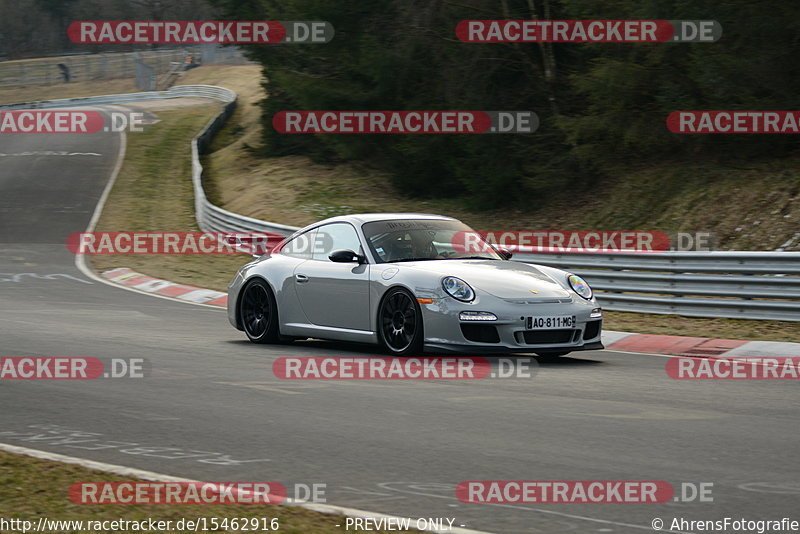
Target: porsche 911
(406,282)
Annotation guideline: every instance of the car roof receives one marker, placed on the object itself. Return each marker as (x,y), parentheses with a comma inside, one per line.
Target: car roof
(361,218)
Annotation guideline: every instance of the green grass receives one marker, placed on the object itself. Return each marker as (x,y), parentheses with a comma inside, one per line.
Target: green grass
(676,325)
(153,193)
(753,208)
(31,93)
(31,488)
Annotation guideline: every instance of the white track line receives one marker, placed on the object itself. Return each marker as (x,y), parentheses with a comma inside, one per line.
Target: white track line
(159,477)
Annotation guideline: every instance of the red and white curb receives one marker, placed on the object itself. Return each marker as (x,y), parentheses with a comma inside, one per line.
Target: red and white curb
(699,347)
(130,278)
(617,341)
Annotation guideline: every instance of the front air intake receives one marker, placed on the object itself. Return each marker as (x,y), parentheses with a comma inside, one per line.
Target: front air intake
(544,337)
(480,333)
(592,330)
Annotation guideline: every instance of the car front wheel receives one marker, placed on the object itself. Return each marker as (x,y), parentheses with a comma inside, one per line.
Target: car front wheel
(400,323)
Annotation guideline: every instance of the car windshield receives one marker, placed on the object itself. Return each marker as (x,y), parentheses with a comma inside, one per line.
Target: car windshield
(425,239)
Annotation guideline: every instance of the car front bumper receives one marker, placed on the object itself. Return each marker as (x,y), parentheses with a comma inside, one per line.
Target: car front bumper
(514,329)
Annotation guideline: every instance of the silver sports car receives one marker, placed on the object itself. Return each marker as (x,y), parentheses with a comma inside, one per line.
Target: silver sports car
(401,280)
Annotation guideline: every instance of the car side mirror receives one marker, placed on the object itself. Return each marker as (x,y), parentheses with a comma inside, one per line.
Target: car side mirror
(345,256)
(504,253)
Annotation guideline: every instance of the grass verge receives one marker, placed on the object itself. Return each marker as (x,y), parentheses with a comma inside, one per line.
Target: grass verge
(32,93)
(153,193)
(31,488)
(677,325)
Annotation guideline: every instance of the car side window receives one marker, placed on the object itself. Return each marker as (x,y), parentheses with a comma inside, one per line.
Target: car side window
(301,246)
(335,236)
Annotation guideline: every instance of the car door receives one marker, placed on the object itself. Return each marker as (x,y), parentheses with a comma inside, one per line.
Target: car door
(283,264)
(334,294)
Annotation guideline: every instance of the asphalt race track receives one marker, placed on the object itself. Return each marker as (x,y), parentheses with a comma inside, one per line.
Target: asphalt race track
(211,408)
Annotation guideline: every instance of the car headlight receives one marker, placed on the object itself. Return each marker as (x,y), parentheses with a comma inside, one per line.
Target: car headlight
(580,286)
(458,289)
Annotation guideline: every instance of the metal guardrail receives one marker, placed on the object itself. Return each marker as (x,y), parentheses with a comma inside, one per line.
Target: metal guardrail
(742,285)
(210,217)
(178,91)
(77,67)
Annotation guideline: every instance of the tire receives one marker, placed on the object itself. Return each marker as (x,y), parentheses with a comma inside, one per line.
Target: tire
(258,312)
(400,328)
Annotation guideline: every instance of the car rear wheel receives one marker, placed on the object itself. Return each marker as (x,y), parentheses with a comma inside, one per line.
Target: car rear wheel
(400,323)
(259,312)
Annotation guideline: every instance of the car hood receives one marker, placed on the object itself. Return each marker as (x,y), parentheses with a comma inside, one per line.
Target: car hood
(503,279)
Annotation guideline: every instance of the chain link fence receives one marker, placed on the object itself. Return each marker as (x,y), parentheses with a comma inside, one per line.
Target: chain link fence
(145,66)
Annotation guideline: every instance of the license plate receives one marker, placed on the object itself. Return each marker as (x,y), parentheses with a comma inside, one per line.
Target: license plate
(557,321)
